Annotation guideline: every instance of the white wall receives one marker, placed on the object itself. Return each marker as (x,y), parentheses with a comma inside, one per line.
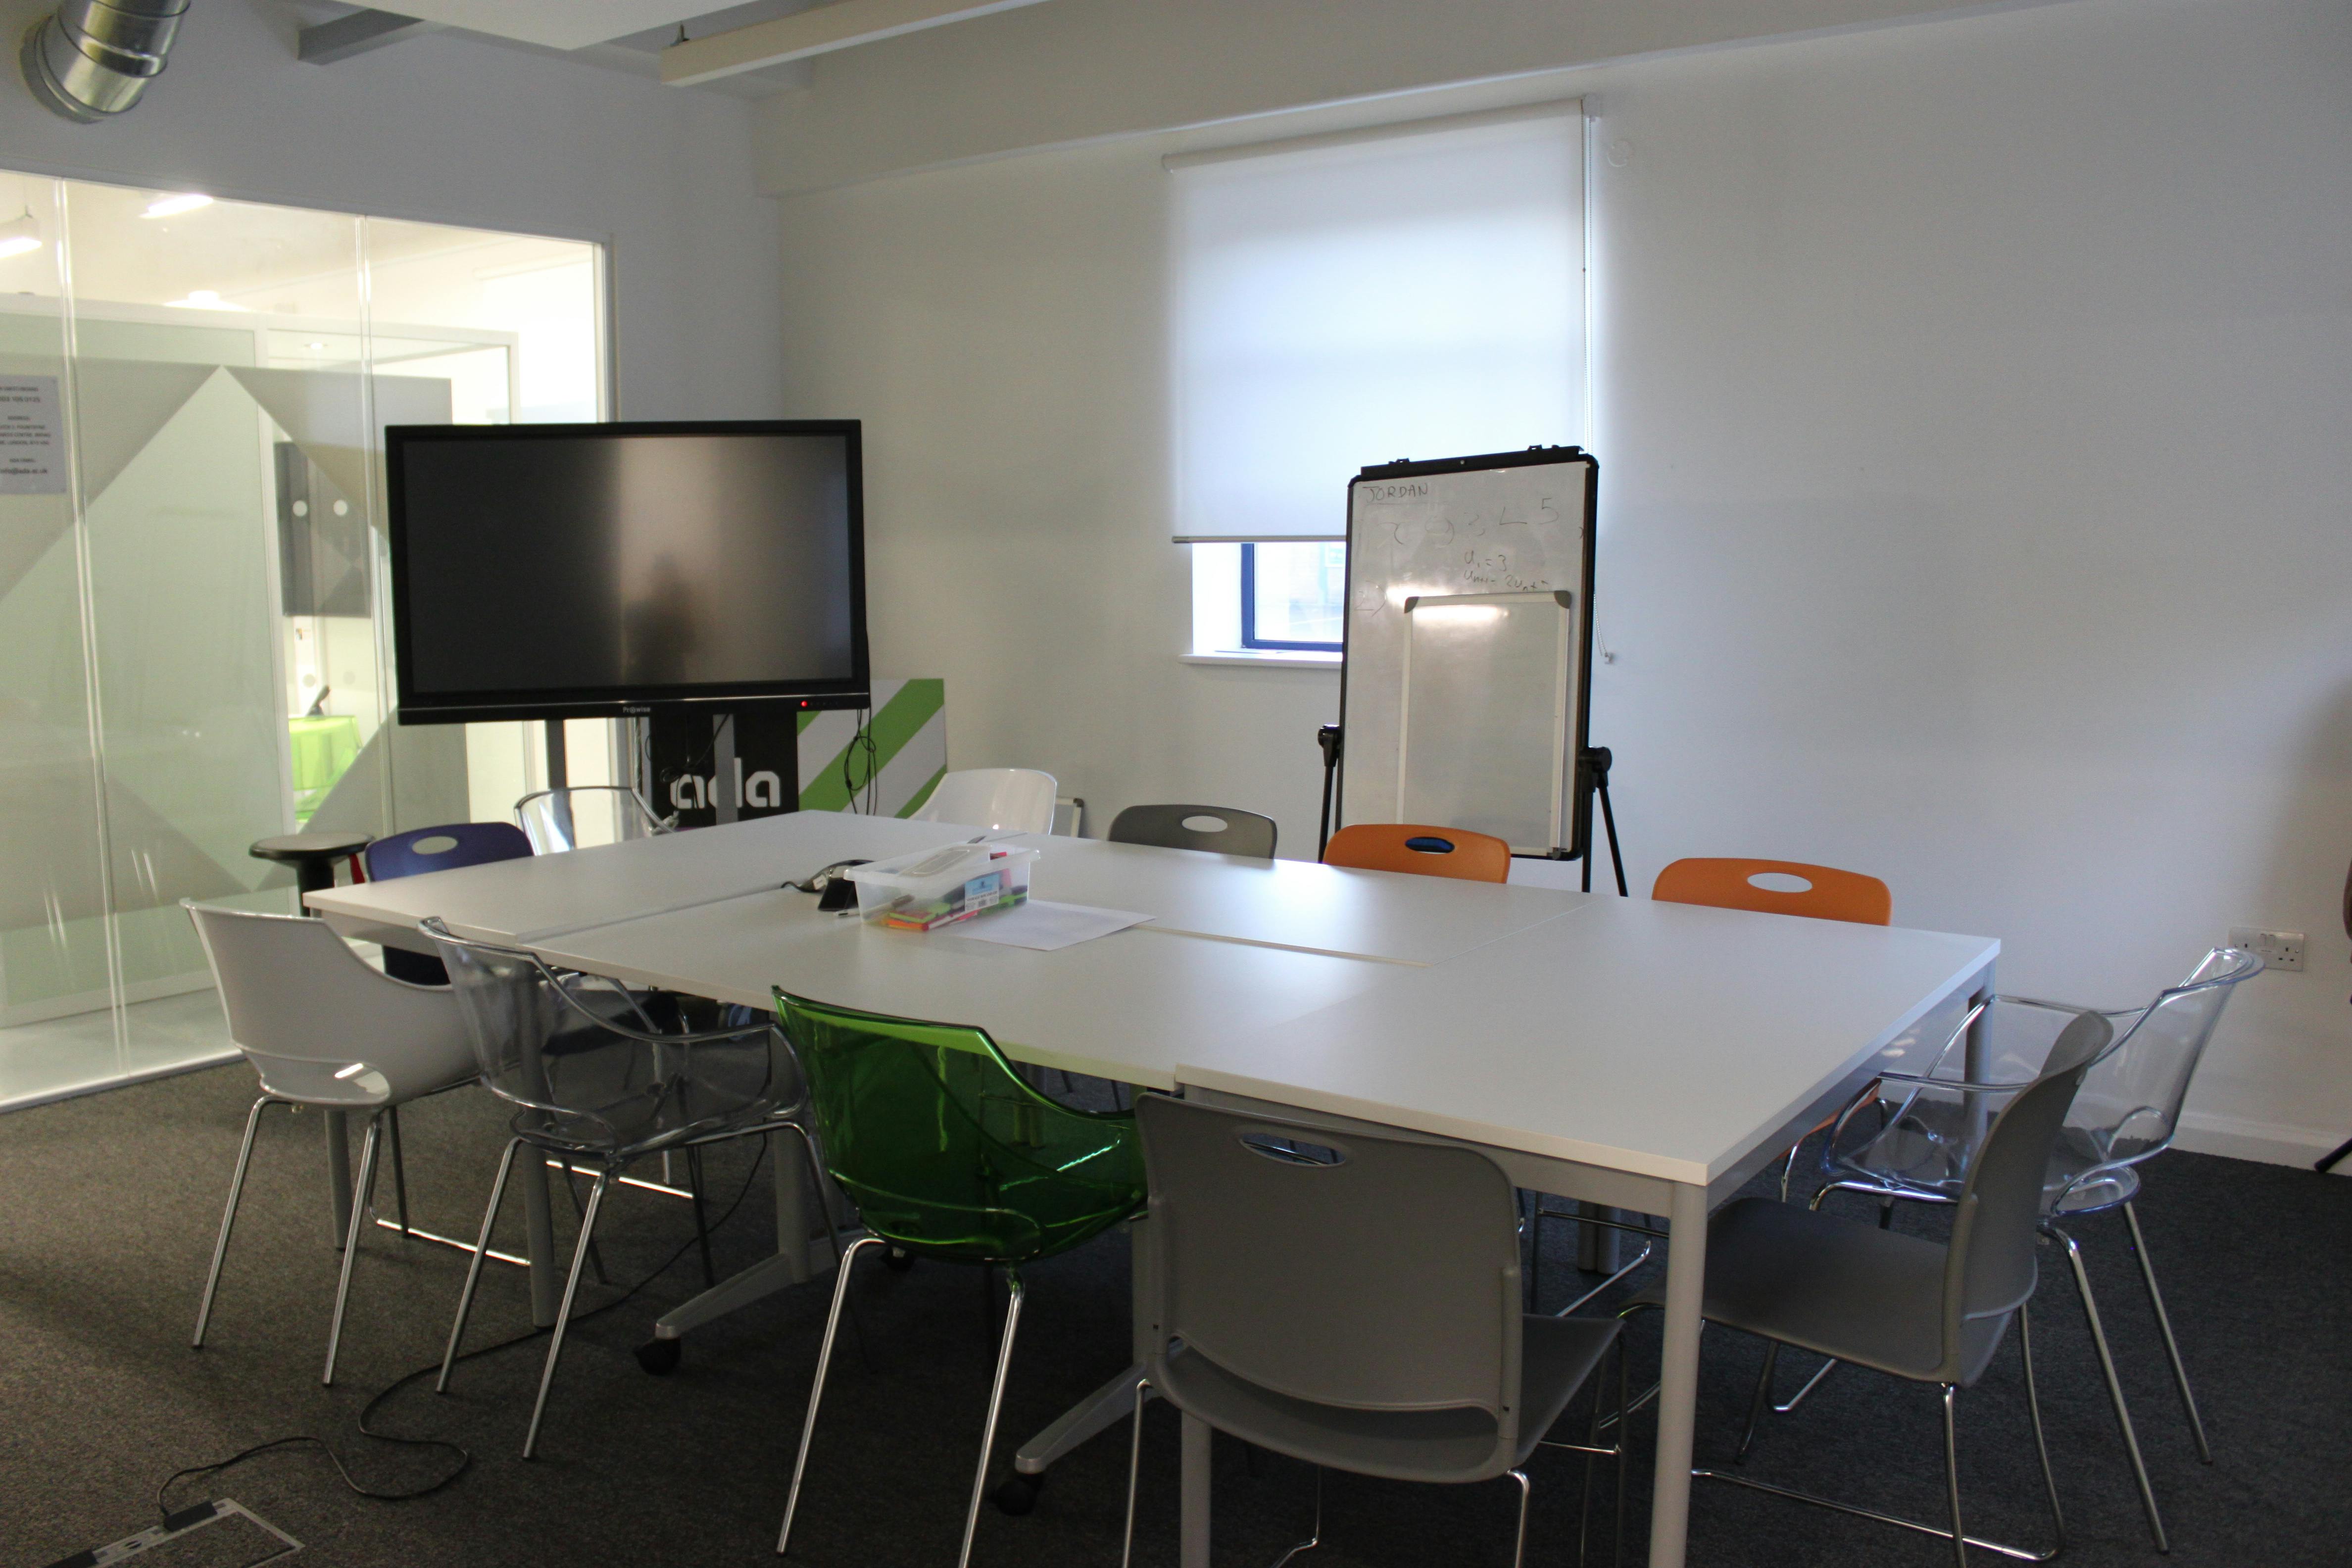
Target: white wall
(451,131)
(1083,70)
(1973,419)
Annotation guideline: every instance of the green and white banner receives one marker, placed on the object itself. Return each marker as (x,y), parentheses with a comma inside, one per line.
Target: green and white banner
(908,729)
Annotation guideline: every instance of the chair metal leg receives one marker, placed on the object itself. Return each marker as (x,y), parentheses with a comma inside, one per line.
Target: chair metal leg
(1134,1468)
(2171,1345)
(2115,1387)
(1519,1541)
(563,1312)
(1756,1405)
(474,1269)
(399,1168)
(2041,1442)
(1952,1474)
(228,1214)
(1315,1536)
(1812,1383)
(1014,1292)
(816,1389)
(595,1258)
(363,1195)
(1624,1452)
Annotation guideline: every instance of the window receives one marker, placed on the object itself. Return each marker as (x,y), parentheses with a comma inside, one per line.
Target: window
(1293,596)
(1339,302)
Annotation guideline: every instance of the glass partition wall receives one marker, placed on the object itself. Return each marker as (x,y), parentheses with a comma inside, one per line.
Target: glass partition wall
(195,638)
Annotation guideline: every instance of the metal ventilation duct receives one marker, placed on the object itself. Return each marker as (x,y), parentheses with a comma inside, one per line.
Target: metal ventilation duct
(92,59)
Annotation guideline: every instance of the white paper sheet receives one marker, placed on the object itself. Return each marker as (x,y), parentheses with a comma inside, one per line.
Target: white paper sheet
(1044,926)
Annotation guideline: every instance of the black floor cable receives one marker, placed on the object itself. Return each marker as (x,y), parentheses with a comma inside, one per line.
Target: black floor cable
(465,1457)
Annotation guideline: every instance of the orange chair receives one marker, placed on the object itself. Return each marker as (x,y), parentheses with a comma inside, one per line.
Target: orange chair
(1423,850)
(1831,894)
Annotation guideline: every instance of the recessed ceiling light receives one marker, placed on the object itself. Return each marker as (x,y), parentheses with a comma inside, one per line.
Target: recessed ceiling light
(172,207)
(19,234)
(203,299)
(314,345)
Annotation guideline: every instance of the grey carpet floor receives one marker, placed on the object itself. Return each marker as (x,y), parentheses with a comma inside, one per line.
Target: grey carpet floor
(108,1207)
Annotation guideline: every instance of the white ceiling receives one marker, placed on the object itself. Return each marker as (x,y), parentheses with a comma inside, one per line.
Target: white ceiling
(556,23)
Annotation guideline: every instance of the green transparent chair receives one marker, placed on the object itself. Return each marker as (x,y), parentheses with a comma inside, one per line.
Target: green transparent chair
(950,1155)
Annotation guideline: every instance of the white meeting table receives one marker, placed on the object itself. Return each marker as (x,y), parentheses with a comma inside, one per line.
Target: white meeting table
(1640,1056)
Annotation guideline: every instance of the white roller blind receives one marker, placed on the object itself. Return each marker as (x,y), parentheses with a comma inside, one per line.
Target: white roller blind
(1419,294)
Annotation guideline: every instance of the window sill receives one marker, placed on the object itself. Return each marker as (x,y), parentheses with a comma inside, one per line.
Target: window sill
(1287,660)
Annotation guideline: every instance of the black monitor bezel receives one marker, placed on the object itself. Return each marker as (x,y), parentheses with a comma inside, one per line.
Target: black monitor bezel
(491,703)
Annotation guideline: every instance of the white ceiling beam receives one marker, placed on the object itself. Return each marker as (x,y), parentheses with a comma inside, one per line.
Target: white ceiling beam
(842,25)
(357,34)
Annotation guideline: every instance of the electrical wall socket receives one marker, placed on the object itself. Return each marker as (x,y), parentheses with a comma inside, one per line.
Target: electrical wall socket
(2276,948)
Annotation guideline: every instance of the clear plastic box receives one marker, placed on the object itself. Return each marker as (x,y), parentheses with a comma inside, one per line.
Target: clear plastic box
(938,886)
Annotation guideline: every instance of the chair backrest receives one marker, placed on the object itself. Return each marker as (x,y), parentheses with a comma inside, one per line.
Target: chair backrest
(1003,800)
(1421,849)
(2130,1103)
(1346,1270)
(1989,1268)
(1829,894)
(316,1022)
(584,1053)
(1218,829)
(550,817)
(442,848)
(945,1149)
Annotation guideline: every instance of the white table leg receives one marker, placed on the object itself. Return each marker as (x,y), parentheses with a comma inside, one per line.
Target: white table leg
(1678,1376)
(539,1239)
(339,1173)
(1193,1540)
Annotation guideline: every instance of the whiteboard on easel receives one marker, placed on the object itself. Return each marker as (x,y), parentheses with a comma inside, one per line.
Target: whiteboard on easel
(1483,719)
(1466,674)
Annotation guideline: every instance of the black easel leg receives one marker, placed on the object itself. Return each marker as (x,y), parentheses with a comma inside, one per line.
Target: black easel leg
(2342,1150)
(1616,860)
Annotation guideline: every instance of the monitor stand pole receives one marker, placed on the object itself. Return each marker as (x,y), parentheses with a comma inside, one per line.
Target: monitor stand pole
(559,772)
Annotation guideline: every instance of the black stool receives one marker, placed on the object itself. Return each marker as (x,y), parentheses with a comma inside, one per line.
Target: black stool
(312,855)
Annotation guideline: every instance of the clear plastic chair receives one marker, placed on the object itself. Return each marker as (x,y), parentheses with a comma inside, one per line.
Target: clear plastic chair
(1913,1136)
(1003,800)
(950,1155)
(322,1028)
(550,817)
(594,1079)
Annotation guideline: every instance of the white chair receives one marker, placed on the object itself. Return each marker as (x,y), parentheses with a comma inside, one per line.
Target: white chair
(323,1029)
(1003,800)
(548,816)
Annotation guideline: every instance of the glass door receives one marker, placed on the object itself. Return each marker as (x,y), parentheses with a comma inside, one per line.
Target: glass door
(194,641)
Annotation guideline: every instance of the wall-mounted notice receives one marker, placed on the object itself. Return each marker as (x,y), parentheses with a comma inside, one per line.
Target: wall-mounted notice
(32,436)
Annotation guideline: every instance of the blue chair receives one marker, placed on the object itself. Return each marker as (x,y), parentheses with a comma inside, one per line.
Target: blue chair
(441,848)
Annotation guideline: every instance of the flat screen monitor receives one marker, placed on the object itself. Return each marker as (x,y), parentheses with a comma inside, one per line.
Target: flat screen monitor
(550,570)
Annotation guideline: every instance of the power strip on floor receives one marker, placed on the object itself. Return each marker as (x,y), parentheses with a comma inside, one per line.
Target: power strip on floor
(177,1527)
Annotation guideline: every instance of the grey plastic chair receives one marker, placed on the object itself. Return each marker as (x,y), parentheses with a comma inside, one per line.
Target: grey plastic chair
(322,1028)
(548,817)
(1922,1311)
(1218,829)
(1350,1300)
(594,1080)
(1913,1136)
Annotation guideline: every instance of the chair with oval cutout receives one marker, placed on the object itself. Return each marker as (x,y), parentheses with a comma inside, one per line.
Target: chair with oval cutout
(1217,829)
(1825,893)
(1822,892)
(442,848)
(1421,851)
